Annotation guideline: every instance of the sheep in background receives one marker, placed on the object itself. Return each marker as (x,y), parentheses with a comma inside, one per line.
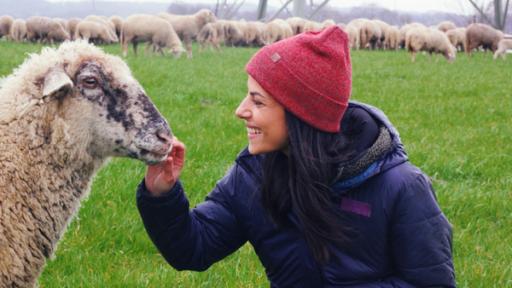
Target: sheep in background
(253,33)
(62,22)
(403,31)
(117,21)
(149,28)
(312,26)
(94,32)
(353,35)
(446,26)
(503,46)
(457,37)
(71,26)
(431,41)
(232,34)
(328,23)
(188,26)
(369,35)
(416,40)
(45,30)
(392,41)
(63,113)
(5,25)
(384,28)
(276,30)
(242,26)
(208,37)
(109,26)
(297,24)
(19,30)
(482,35)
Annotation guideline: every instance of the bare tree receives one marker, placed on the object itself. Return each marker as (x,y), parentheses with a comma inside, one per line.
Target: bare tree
(500,12)
(262,9)
(227,9)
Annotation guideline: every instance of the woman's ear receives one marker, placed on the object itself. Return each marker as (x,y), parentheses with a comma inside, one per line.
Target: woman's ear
(56,82)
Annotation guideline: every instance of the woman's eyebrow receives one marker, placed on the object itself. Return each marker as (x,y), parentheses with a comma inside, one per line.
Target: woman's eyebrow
(254,94)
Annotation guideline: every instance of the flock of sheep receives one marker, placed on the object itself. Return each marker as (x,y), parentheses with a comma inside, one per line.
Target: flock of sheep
(175,33)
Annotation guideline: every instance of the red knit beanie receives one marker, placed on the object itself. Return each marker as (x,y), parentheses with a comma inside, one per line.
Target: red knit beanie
(309,74)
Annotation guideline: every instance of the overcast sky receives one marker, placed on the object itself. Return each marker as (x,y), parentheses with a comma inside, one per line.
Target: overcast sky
(454,6)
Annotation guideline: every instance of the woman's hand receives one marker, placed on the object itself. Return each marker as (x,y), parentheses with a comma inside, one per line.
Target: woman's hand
(161,177)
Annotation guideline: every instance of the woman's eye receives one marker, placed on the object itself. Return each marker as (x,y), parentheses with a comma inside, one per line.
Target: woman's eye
(258,103)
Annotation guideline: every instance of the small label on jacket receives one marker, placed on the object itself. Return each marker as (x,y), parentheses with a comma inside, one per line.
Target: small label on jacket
(356,207)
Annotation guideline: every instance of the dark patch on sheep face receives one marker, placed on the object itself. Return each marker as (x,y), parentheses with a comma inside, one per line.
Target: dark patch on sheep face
(95,86)
(142,133)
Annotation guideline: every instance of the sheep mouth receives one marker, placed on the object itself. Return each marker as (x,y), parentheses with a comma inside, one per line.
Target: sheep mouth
(153,156)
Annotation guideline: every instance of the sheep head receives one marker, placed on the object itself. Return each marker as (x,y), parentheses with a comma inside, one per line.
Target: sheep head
(450,53)
(206,16)
(105,110)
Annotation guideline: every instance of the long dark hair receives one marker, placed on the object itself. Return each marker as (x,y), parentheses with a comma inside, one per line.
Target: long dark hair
(299,182)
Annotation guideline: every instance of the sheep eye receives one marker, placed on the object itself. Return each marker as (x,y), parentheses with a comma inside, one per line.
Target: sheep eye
(90,82)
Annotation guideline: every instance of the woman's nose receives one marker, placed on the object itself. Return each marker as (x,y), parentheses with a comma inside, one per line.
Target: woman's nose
(242,111)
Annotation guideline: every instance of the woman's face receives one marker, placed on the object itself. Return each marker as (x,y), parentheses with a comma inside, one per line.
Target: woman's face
(264,118)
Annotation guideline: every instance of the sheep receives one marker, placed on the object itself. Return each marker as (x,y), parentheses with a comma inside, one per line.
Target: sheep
(370,34)
(312,26)
(253,33)
(353,35)
(276,30)
(46,30)
(18,30)
(110,27)
(5,25)
(457,37)
(118,24)
(188,26)
(71,26)
(208,36)
(384,28)
(392,38)
(62,22)
(231,32)
(219,26)
(357,23)
(416,40)
(63,113)
(297,24)
(403,31)
(503,46)
(242,26)
(430,40)
(482,35)
(94,32)
(149,28)
(446,26)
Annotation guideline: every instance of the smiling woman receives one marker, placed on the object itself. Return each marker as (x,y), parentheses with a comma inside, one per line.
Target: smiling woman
(324,192)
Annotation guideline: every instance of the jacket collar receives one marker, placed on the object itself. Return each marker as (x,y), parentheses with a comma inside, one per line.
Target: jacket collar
(386,152)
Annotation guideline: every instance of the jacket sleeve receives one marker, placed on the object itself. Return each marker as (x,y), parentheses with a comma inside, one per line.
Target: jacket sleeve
(421,237)
(191,239)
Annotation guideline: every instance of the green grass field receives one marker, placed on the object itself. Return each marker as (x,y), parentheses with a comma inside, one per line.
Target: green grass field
(455,121)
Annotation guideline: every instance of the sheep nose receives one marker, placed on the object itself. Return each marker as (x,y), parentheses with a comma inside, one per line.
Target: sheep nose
(165,135)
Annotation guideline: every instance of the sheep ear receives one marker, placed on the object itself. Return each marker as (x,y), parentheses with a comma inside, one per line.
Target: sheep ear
(56,82)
